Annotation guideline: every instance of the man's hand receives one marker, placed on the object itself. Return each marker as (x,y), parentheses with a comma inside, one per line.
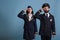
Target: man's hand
(36,32)
(53,34)
(40,10)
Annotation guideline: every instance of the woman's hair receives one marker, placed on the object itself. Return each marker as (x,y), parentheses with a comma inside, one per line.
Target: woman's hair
(31,8)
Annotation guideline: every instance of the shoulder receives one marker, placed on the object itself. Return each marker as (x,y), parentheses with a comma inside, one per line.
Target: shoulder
(25,15)
(42,14)
(52,15)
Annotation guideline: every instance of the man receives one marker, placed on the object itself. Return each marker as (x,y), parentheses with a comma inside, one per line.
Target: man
(47,23)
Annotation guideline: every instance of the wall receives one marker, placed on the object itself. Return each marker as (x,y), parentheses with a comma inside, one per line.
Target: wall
(12,26)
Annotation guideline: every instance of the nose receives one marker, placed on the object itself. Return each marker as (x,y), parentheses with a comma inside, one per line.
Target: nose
(47,8)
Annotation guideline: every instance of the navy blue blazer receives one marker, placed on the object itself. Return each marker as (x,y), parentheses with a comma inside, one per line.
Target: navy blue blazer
(47,25)
(30,27)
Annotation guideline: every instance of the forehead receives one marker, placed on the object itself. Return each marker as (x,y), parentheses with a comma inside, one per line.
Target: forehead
(46,7)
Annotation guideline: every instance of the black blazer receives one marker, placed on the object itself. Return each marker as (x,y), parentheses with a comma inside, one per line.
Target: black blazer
(30,27)
(47,25)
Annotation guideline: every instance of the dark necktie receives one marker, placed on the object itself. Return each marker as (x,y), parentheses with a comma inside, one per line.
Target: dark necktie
(47,15)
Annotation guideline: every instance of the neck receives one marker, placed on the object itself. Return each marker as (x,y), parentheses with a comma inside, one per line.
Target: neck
(46,13)
(29,14)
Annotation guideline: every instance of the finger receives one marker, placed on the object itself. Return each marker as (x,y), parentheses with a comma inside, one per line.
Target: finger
(41,9)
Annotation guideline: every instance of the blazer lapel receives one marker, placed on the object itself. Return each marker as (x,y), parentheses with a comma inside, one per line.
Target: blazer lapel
(27,18)
(44,16)
(31,18)
(50,18)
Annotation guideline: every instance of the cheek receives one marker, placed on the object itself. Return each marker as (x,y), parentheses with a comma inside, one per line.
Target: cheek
(31,10)
(46,9)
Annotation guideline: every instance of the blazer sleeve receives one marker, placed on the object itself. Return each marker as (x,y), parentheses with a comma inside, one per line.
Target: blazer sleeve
(35,26)
(53,26)
(21,15)
(38,15)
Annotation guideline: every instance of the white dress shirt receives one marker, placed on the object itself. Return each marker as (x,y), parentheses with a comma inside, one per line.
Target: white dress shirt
(30,17)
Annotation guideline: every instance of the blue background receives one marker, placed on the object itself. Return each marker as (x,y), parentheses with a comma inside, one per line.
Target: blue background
(12,27)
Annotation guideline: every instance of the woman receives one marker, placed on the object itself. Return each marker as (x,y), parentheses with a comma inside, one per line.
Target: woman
(30,27)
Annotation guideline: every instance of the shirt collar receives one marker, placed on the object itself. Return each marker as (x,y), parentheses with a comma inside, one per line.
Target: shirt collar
(48,14)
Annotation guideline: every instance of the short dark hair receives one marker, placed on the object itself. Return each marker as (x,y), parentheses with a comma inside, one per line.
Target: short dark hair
(45,5)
